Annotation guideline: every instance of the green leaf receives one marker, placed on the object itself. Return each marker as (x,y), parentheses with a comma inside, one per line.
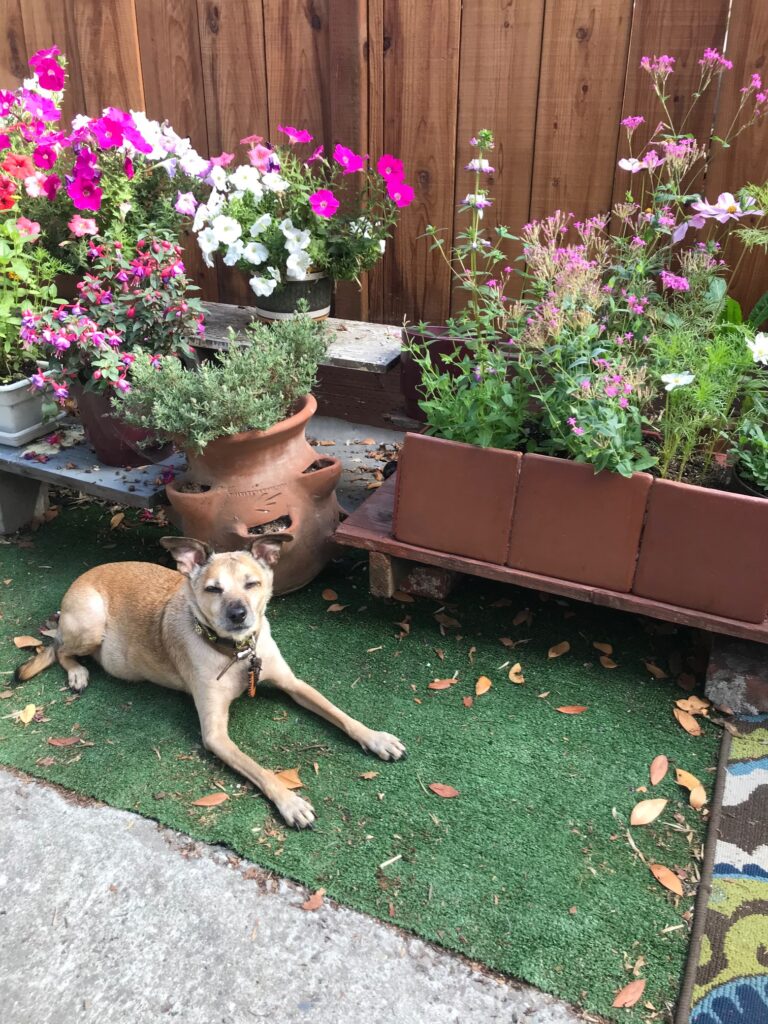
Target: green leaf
(759,313)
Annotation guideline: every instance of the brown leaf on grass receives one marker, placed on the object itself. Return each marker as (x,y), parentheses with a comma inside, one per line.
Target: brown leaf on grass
(482,686)
(572,709)
(441,684)
(5,694)
(545,694)
(656,672)
(667,878)
(26,714)
(325,444)
(658,769)
(447,620)
(603,648)
(471,654)
(507,641)
(523,617)
(646,811)
(687,721)
(336,607)
(684,778)
(116,519)
(516,674)
(607,662)
(400,595)
(698,798)
(62,741)
(630,994)
(27,641)
(211,800)
(45,762)
(315,901)
(562,648)
(686,681)
(440,653)
(369,775)
(290,778)
(693,704)
(467,702)
(329,595)
(440,789)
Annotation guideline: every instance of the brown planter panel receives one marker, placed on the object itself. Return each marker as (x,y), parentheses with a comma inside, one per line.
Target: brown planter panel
(456,498)
(706,550)
(573,524)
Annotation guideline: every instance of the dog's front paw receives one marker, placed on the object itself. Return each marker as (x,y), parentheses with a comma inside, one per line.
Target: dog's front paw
(77,678)
(297,812)
(384,745)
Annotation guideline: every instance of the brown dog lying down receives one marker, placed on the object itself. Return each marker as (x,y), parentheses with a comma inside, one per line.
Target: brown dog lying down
(202,632)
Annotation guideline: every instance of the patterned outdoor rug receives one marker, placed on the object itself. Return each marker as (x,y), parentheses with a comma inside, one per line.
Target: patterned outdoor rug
(727,977)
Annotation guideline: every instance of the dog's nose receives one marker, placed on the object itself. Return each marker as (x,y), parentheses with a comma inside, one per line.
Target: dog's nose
(236,612)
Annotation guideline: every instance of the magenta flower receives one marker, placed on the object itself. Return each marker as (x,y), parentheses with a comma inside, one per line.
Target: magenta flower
(80,226)
(673,282)
(50,75)
(108,132)
(223,159)
(294,134)
(390,168)
(51,185)
(44,156)
(662,66)
(85,194)
(315,156)
(714,60)
(350,161)
(631,123)
(324,203)
(400,193)
(128,168)
(39,106)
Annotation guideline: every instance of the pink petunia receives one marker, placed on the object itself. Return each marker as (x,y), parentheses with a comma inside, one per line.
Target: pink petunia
(350,161)
(109,132)
(295,134)
(260,157)
(400,193)
(185,204)
(45,157)
(251,140)
(390,168)
(80,226)
(223,159)
(315,156)
(85,194)
(29,228)
(324,203)
(50,75)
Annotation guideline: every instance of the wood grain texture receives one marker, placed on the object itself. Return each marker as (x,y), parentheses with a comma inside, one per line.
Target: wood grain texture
(47,24)
(13,54)
(584,57)
(374,53)
(421,71)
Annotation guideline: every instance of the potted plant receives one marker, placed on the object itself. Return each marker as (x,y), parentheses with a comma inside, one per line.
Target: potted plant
(750,451)
(241,422)
(601,408)
(132,299)
(296,225)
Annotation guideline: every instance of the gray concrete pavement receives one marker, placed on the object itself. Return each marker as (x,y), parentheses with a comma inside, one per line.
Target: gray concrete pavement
(106,917)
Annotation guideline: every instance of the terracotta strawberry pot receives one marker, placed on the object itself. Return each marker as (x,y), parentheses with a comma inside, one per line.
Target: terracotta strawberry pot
(455,497)
(261,482)
(574,524)
(115,442)
(706,550)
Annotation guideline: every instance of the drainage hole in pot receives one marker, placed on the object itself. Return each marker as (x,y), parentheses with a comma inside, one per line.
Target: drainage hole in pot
(318,464)
(273,526)
(190,487)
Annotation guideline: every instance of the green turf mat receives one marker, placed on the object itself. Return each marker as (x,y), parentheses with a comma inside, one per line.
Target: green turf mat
(527,870)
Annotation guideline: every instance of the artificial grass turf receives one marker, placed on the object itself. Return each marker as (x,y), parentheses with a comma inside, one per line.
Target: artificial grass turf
(527,870)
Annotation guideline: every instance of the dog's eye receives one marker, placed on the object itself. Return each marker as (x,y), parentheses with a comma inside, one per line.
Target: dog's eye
(252,583)
(213,589)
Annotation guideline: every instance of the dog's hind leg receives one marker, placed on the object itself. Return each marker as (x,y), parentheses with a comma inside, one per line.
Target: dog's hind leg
(80,632)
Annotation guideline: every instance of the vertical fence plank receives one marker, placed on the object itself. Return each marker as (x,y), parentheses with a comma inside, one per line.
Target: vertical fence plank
(13,55)
(47,24)
(421,70)
(584,58)
(375,56)
(683,30)
(498,89)
(746,161)
(297,51)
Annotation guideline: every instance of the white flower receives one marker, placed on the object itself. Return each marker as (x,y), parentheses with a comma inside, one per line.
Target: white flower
(631,164)
(275,273)
(274,182)
(193,164)
(297,265)
(218,178)
(298,241)
(150,132)
(215,202)
(125,209)
(233,253)
(758,347)
(226,229)
(676,380)
(201,218)
(260,224)
(382,245)
(208,240)
(80,121)
(255,252)
(247,179)
(262,285)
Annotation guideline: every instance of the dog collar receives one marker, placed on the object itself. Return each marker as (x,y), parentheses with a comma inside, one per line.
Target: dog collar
(245,648)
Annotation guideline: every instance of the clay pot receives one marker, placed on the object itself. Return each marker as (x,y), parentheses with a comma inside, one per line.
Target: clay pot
(455,497)
(115,442)
(265,477)
(573,524)
(706,550)
(282,304)
(441,342)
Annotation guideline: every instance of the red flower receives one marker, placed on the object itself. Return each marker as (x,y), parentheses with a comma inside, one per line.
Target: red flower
(18,165)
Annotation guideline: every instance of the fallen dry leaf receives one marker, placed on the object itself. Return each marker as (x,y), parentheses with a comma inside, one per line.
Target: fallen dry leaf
(211,800)
(572,709)
(368,440)
(693,704)
(447,620)
(5,694)
(507,641)
(667,878)
(656,672)
(658,769)
(698,798)
(545,694)
(467,702)
(45,762)
(315,901)
(603,648)
(116,519)
(684,778)
(607,662)
(26,714)
(336,607)
(325,444)
(562,648)
(329,595)
(290,778)
(440,653)
(687,721)
(27,641)
(482,686)
(440,789)
(440,684)
(62,741)
(646,811)
(630,994)
(516,674)
(400,595)
(369,775)
(524,616)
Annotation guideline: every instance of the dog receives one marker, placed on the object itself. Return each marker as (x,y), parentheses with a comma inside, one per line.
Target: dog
(202,630)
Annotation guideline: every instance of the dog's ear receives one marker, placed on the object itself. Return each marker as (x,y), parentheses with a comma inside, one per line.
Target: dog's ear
(188,553)
(267,549)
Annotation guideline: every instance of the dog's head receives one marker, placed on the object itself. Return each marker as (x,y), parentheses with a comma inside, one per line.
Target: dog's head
(230,590)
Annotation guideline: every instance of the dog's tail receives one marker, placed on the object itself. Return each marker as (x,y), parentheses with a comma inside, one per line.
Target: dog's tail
(30,668)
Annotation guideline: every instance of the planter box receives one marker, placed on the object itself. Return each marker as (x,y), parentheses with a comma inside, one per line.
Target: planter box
(456,497)
(706,550)
(573,524)
(21,414)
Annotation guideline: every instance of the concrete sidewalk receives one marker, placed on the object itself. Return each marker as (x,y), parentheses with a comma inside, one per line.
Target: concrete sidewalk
(107,918)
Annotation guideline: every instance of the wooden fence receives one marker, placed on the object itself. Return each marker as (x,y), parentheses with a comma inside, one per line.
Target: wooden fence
(414,78)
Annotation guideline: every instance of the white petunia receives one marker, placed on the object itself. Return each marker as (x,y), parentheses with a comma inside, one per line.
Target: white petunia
(286,226)
(275,273)
(233,253)
(80,121)
(218,178)
(299,241)
(272,181)
(151,132)
(382,245)
(226,229)
(759,348)
(260,224)
(676,380)
(193,164)
(208,240)
(297,265)
(247,179)
(262,285)
(201,218)
(255,252)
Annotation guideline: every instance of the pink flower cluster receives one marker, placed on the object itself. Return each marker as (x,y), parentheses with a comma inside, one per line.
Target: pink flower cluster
(714,60)
(674,282)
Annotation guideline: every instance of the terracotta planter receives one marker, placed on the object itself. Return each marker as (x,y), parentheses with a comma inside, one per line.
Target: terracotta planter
(441,342)
(257,478)
(282,304)
(115,443)
(706,550)
(573,524)
(456,497)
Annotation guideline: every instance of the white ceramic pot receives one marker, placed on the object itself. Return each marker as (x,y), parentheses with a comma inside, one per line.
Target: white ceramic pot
(21,413)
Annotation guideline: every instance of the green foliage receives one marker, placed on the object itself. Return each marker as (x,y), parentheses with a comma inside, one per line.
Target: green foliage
(249,388)
(750,451)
